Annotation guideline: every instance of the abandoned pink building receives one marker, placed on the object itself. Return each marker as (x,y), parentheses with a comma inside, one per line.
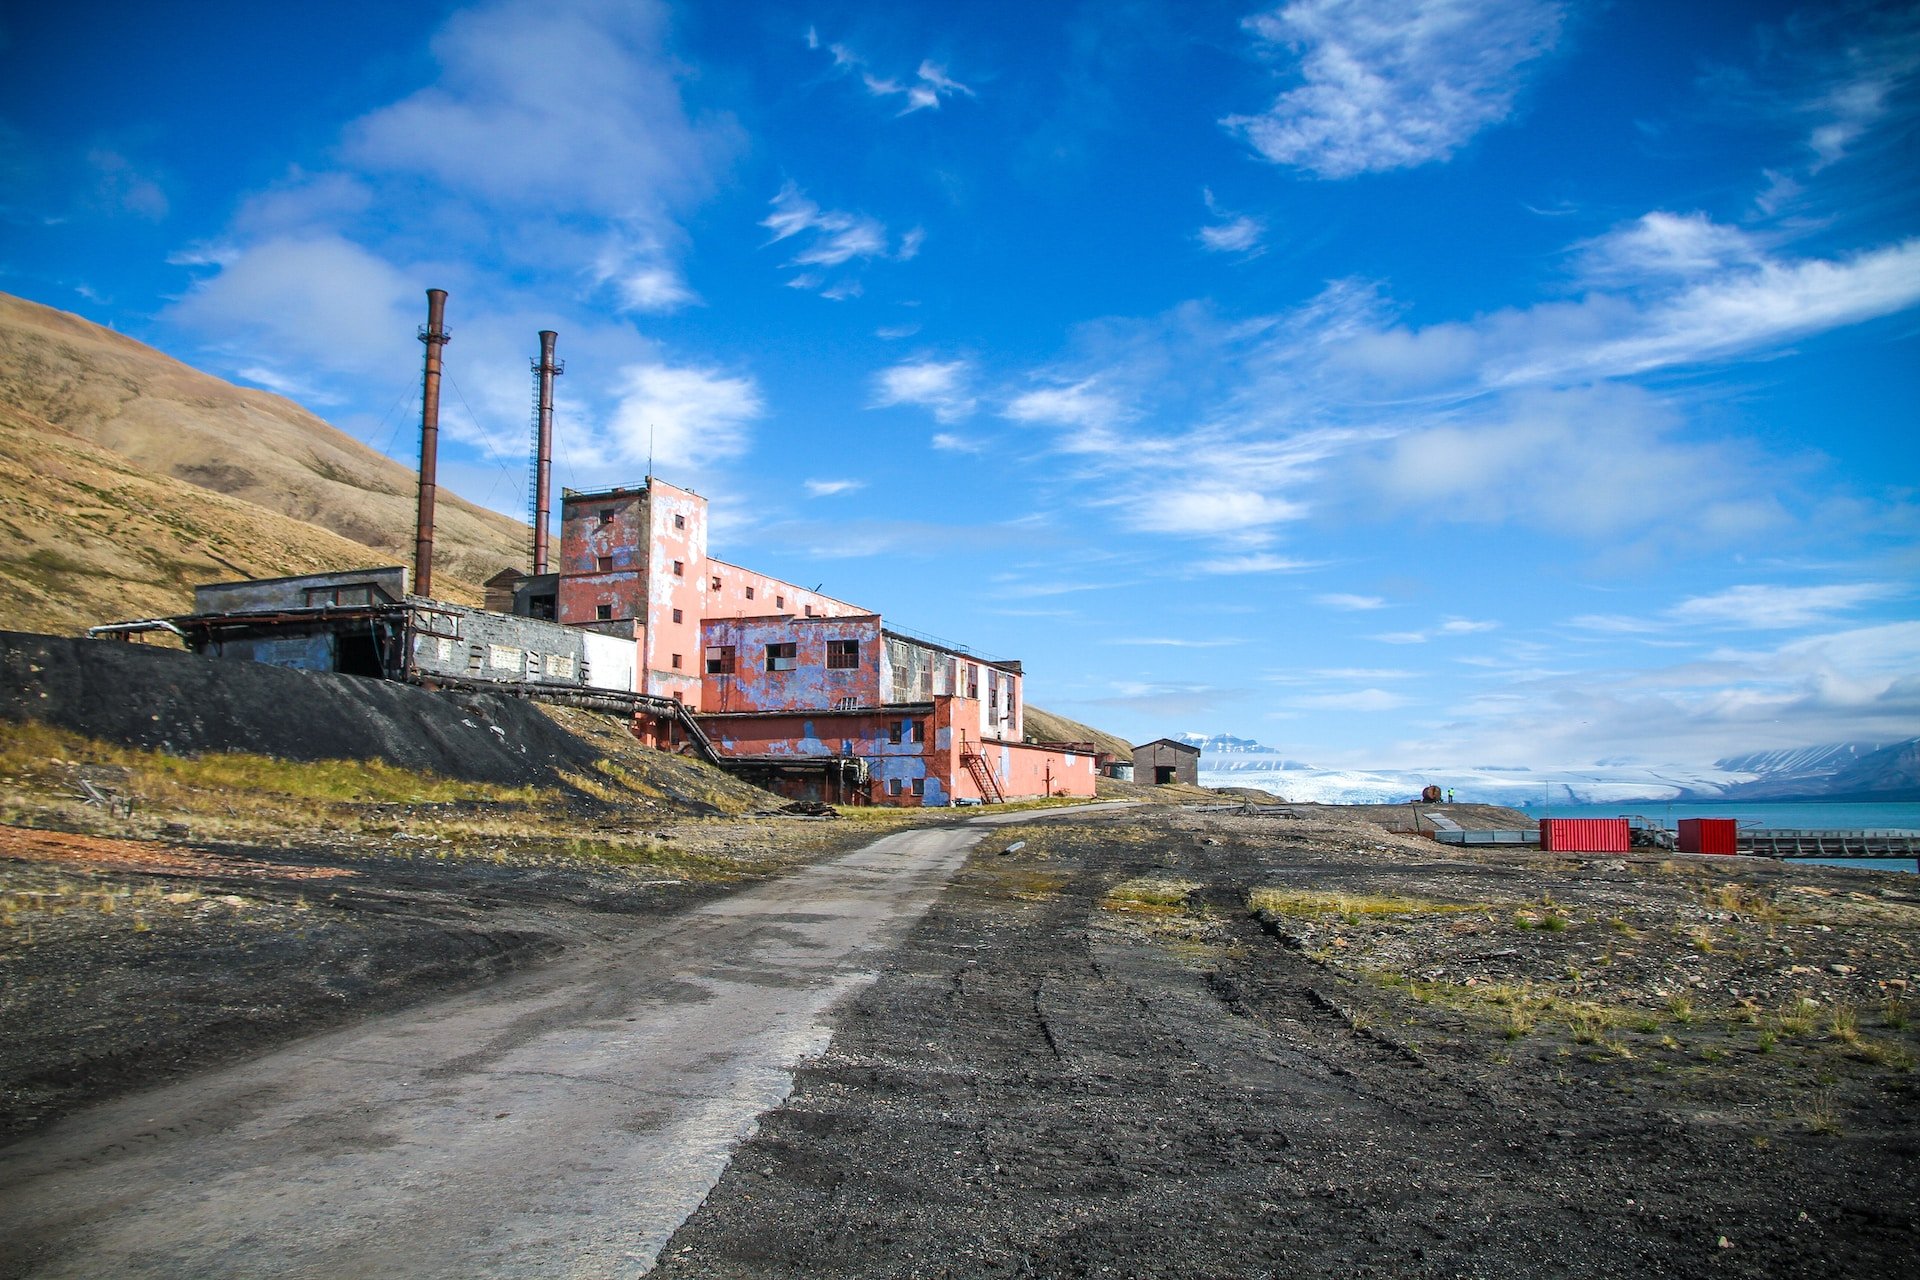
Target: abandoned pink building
(806,693)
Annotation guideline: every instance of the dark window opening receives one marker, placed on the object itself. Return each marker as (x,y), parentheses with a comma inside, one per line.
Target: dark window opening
(676,662)
(809,611)
(749,593)
(779,602)
(920,786)
(893,730)
(677,615)
(919,731)
(679,522)
(603,613)
(357,655)
(606,515)
(893,786)
(782,657)
(603,564)
(843,655)
(714,583)
(720,660)
(679,568)
(542,606)
(1162,774)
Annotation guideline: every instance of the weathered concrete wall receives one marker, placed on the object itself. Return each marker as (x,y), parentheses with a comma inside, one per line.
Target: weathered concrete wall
(734,592)
(603,547)
(676,561)
(896,743)
(810,684)
(263,595)
(477,645)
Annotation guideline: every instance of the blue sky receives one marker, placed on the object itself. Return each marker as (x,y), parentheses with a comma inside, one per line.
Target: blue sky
(1399,384)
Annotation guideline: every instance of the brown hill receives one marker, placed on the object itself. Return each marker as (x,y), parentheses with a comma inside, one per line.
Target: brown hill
(1044,726)
(172,420)
(87,536)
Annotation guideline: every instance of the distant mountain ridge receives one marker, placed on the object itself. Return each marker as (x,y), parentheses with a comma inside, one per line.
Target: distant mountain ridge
(1835,771)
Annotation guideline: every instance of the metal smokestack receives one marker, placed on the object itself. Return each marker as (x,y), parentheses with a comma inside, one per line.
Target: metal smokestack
(435,335)
(546,369)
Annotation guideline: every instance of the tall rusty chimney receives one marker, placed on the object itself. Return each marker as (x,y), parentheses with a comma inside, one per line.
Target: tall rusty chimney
(435,335)
(546,369)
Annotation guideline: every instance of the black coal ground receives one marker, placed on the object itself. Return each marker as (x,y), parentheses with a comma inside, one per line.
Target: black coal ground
(1034,1086)
(142,696)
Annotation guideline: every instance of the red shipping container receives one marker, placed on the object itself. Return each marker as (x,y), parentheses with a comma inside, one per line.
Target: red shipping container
(1584,835)
(1709,835)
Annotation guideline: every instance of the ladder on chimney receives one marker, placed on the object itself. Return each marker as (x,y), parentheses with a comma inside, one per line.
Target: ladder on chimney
(982,776)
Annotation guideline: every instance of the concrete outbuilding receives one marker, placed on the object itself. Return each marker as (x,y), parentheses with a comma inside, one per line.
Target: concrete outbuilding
(1165,760)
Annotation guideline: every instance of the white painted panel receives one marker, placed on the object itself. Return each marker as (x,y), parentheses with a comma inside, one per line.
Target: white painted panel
(610,661)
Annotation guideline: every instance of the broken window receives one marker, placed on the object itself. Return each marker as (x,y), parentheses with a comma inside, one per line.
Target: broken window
(606,515)
(893,730)
(894,786)
(749,593)
(679,568)
(782,657)
(919,731)
(603,613)
(676,662)
(677,615)
(843,655)
(779,602)
(719,659)
(679,522)
(809,611)
(714,582)
(603,563)
(920,786)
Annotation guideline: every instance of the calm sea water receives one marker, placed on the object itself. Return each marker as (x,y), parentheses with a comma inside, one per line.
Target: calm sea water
(1764,813)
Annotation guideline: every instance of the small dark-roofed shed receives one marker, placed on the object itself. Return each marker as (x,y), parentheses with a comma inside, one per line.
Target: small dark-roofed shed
(1165,760)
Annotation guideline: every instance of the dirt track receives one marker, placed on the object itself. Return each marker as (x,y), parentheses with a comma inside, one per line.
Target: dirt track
(1047,1081)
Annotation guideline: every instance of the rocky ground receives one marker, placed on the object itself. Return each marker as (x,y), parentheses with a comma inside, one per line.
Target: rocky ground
(1207,1044)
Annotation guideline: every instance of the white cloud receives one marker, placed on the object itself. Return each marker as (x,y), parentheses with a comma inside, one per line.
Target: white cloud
(1215,509)
(642,274)
(1391,84)
(569,106)
(832,239)
(1778,608)
(828,488)
(937,385)
(929,85)
(1339,600)
(321,299)
(682,417)
(1238,235)
(1660,245)
(1255,562)
(1231,233)
(1082,406)
(1850,686)
(951,443)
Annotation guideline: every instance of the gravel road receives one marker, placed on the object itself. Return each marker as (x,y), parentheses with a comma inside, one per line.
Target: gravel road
(562,1122)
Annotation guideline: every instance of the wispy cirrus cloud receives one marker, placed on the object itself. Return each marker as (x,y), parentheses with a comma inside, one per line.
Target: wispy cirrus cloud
(939,386)
(1239,233)
(829,488)
(1751,607)
(1350,603)
(924,90)
(1388,84)
(831,238)
(682,417)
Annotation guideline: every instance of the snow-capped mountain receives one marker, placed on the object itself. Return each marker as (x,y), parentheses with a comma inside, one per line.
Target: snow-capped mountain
(1858,769)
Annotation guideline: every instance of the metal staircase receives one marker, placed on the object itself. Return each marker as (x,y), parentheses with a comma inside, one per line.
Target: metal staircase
(982,776)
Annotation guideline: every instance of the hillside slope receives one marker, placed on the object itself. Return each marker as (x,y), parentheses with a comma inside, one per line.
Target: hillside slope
(175,421)
(1044,726)
(87,536)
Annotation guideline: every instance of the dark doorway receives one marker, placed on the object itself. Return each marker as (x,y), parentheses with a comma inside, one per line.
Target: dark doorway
(1162,774)
(357,655)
